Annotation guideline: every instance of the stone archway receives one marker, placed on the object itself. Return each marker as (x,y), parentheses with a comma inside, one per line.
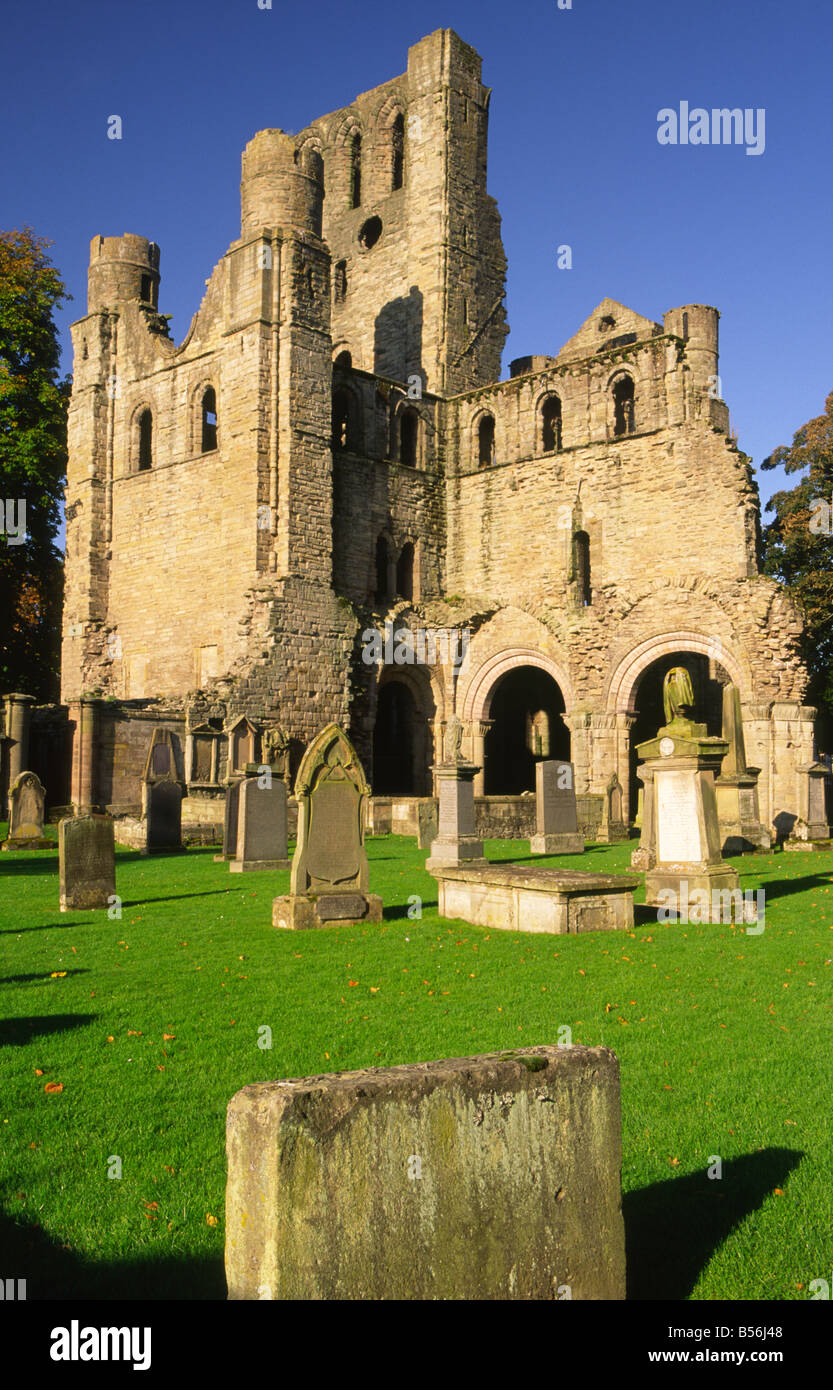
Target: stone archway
(504,699)
(402,735)
(634,697)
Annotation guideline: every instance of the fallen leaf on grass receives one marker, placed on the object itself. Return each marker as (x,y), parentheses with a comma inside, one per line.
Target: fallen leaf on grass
(778,1191)
(168,1037)
(211,1220)
(38,1071)
(53,1087)
(675,1162)
(57,974)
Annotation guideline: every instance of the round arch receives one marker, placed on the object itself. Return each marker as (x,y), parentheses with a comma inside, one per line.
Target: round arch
(481,688)
(404,711)
(621,691)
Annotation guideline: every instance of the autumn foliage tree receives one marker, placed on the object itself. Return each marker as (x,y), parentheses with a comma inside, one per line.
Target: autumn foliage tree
(798,545)
(33,453)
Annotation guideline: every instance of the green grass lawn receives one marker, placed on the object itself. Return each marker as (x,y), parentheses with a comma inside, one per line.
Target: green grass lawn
(151,1023)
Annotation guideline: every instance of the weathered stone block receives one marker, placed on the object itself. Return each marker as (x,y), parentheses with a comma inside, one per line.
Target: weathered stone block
(491,1177)
(511,897)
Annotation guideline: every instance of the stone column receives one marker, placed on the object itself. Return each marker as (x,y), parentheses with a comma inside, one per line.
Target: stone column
(457,842)
(479,730)
(84,778)
(18,722)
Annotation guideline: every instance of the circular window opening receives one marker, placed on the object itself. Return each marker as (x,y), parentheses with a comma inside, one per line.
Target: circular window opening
(369,232)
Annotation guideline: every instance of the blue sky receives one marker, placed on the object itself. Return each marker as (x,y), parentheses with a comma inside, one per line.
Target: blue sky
(573,155)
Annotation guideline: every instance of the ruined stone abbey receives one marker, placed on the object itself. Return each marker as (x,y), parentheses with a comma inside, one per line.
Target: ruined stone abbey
(331,450)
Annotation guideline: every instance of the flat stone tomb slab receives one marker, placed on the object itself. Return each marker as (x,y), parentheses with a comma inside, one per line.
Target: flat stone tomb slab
(491,1177)
(516,898)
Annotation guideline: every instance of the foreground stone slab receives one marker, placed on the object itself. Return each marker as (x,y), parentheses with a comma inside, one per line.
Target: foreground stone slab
(86,862)
(491,1177)
(516,898)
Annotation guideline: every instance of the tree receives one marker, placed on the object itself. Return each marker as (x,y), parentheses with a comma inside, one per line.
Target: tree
(33,455)
(798,545)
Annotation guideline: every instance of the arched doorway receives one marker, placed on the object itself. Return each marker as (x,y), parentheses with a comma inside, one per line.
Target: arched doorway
(401,740)
(708,678)
(525,710)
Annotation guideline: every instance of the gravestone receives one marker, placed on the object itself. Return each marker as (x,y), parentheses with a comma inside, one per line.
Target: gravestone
(27,800)
(261,821)
(230,814)
(456,840)
(164,816)
(736,787)
(162,796)
(86,862)
(612,828)
(556,817)
(428,818)
(680,829)
(329,868)
(490,1178)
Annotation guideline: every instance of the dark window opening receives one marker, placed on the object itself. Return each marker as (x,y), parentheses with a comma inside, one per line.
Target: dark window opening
(606,323)
(369,232)
(356,171)
(145,439)
(344,360)
(405,572)
(342,423)
(581,568)
(486,441)
(398,151)
(408,436)
(685,326)
(551,424)
(209,421)
(147,289)
(340,282)
(381,593)
(623,406)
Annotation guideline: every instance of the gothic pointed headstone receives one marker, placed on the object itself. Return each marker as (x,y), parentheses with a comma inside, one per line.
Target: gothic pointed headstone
(329,879)
(27,801)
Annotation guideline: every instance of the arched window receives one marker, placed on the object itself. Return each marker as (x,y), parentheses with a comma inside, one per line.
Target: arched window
(409,436)
(340,282)
(145,440)
(405,572)
(209,420)
(581,568)
(397,138)
(623,406)
(486,441)
(344,431)
(355,199)
(381,594)
(551,424)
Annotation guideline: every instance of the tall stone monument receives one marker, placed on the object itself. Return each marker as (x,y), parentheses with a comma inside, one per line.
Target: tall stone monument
(329,868)
(86,862)
(457,841)
(680,813)
(556,818)
(736,787)
(613,827)
(27,800)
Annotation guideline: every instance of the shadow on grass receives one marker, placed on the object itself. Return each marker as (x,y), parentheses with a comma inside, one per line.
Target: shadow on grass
(673,1228)
(53,1272)
(42,976)
(176,897)
(47,926)
(16,1032)
(45,863)
(783,887)
(391,914)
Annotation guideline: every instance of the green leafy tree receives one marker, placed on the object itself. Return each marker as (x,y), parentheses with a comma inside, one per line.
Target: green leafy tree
(33,455)
(798,545)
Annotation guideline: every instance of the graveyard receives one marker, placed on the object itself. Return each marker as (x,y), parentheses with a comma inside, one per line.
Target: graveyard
(126,1039)
(416,804)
